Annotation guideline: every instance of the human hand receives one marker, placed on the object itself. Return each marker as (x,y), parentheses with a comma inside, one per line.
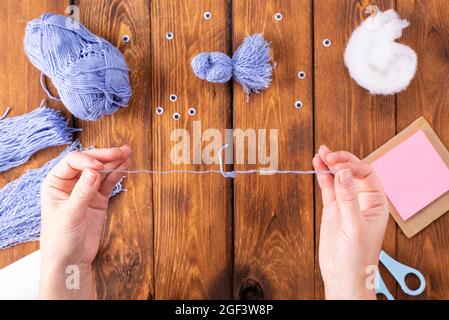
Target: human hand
(353,223)
(74,202)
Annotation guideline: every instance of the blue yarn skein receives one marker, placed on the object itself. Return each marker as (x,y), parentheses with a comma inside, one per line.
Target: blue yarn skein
(250,65)
(89,73)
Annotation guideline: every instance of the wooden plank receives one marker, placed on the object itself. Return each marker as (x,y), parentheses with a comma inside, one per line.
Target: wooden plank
(193,218)
(274,225)
(346,116)
(124,263)
(21,89)
(427,96)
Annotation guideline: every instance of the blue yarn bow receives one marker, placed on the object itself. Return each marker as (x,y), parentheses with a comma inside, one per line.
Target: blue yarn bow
(250,65)
(90,74)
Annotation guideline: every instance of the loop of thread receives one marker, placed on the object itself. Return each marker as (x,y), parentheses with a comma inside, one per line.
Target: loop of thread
(90,74)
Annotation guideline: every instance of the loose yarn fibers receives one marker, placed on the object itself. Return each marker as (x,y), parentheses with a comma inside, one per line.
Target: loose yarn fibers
(250,65)
(375,60)
(89,73)
(20,209)
(24,135)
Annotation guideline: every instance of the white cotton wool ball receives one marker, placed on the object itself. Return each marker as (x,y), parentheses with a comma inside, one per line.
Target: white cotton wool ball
(374,60)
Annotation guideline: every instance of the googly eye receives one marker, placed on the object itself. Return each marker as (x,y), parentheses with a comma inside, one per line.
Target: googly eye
(191,111)
(169,35)
(176,116)
(173,97)
(159,111)
(278,16)
(298,104)
(207,15)
(126,38)
(327,42)
(301,75)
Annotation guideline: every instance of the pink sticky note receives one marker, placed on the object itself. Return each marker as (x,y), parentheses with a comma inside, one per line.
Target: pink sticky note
(413,174)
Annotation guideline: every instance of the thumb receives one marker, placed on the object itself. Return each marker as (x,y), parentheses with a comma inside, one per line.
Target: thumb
(348,202)
(85,190)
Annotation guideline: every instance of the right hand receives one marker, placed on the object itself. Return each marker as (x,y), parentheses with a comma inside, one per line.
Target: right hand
(353,224)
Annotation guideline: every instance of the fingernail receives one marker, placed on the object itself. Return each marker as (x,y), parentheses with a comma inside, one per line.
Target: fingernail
(346,177)
(97,165)
(89,177)
(126,147)
(331,155)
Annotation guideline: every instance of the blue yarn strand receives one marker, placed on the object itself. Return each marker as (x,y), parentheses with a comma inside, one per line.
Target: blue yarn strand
(250,65)
(20,209)
(20,213)
(90,74)
(23,136)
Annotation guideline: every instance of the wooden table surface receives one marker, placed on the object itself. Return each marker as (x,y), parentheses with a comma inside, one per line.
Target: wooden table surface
(206,237)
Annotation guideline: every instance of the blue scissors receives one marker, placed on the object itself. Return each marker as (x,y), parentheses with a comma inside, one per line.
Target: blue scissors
(399,272)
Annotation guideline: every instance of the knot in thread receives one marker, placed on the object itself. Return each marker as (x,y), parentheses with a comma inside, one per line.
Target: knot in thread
(89,73)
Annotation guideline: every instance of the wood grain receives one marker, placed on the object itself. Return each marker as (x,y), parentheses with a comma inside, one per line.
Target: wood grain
(124,264)
(21,90)
(274,225)
(256,237)
(346,116)
(428,96)
(193,218)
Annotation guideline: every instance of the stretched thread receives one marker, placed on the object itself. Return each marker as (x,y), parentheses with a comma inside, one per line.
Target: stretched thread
(5,114)
(226,174)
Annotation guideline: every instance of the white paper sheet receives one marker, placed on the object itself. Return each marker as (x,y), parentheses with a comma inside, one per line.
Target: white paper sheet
(20,280)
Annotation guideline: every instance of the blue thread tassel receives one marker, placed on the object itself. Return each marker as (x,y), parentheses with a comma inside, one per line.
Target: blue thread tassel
(20,210)
(23,136)
(250,66)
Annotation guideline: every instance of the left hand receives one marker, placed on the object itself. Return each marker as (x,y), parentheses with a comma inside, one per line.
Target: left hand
(74,202)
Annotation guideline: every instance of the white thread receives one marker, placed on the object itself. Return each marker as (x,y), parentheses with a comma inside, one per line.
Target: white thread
(8,109)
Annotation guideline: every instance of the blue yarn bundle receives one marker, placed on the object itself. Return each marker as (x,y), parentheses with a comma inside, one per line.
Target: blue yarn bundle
(23,136)
(250,65)
(89,73)
(20,210)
